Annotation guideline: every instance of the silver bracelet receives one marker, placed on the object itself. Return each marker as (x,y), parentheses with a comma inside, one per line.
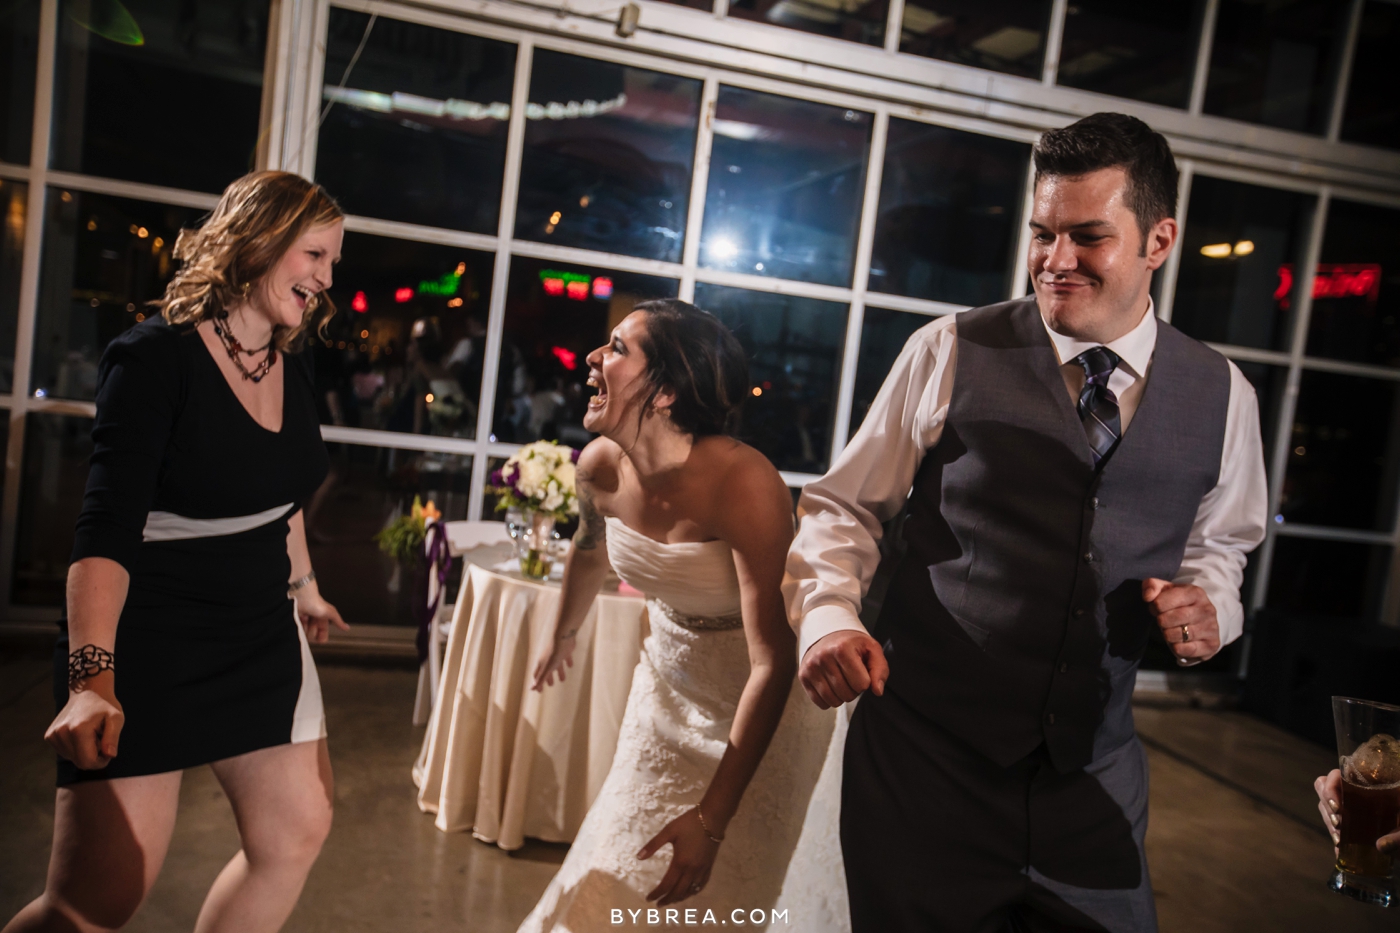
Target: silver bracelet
(298,584)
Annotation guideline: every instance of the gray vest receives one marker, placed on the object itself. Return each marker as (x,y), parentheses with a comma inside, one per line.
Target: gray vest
(1015,616)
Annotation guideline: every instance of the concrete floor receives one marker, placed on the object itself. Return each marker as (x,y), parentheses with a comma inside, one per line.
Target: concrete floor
(1234,843)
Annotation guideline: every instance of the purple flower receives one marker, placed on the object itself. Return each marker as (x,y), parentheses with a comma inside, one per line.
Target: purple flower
(574,454)
(497,479)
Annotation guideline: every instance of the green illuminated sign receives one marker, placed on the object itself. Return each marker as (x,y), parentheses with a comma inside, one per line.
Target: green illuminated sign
(445,286)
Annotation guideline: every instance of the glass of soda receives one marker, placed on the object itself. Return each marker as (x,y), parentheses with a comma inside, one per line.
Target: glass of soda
(1369,754)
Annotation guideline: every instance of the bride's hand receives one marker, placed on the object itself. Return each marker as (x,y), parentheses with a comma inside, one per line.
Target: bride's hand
(692,856)
(561,655)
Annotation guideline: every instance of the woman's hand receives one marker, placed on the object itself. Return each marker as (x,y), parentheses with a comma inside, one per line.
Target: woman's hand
(1329,804)
(86,730)
(318,616)
(692,856)
(561,655)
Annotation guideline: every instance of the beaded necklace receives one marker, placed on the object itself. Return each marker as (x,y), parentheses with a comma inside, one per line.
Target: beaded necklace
(236,351)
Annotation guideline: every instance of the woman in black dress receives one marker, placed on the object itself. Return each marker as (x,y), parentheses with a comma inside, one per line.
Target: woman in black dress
(190,594)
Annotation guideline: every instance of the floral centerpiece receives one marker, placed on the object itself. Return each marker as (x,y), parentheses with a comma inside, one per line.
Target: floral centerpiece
(538,480)
(402,538)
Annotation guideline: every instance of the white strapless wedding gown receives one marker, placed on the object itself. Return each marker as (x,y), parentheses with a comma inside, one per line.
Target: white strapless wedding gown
(782,850)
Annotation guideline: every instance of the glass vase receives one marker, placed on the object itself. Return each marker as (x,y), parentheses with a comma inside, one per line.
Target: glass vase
(536,544)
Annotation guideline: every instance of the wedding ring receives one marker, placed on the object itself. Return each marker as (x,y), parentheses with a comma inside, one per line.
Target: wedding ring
(1185,634)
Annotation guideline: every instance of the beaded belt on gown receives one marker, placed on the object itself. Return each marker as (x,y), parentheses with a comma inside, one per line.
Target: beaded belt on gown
(710,623)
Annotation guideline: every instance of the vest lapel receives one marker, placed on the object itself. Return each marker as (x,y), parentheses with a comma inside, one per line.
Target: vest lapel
(1030,329)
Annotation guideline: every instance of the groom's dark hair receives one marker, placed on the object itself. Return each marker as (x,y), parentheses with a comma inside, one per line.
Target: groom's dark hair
(1115,140)
(692,353)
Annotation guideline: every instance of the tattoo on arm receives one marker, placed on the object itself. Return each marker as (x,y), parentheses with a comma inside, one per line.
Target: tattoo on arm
(591,528)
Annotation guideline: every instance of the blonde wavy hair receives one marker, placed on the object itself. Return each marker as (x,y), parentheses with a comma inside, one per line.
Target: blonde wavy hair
(257,220)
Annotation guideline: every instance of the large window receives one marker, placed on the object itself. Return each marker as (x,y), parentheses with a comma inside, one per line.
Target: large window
(158,92)
(416,131)
(825,188)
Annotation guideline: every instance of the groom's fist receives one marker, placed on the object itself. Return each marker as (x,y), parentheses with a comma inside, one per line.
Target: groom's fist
(841,666)
(1187,618)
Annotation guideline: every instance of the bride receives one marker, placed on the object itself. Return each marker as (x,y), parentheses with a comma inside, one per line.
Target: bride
(701,523)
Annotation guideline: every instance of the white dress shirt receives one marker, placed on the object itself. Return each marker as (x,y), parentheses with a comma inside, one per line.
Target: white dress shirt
(836,551)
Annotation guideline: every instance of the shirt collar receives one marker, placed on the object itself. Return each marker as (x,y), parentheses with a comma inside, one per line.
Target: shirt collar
(1134,348)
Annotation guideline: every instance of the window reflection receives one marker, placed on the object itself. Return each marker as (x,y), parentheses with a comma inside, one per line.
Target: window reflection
(19,44)
(1372,114)
(164,93)
(417,133)
(406,350)
(367,488)
(54,474)
(883,333)
(1328,578)
(1356,293)
(1238,250)
(1275,63)
(104,258)
(785,188)
(556,314)
(854,20)
(13,201)
(1142,52)
(1342,468)
(1000,35)
(949,206)
(794,347)
(617,179)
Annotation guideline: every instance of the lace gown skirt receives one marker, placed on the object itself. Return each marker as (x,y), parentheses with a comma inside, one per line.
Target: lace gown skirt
(685,692)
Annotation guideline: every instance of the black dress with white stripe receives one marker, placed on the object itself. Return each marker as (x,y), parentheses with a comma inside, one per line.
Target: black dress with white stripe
(192,496)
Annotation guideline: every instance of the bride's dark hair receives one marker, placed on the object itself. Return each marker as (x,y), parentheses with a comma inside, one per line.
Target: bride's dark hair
(691,353)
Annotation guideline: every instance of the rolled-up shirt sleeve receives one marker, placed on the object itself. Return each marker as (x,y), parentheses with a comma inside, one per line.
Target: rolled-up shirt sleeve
(137,396)
(836,551)
(1231,519)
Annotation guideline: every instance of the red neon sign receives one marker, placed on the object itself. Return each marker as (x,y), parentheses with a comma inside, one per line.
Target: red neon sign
(568,358)
(1334,280)
(402,295)
(602,288)
(553,286)
(359,302)
(578,291)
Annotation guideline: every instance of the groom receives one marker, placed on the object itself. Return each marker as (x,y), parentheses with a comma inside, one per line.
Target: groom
(1076,474)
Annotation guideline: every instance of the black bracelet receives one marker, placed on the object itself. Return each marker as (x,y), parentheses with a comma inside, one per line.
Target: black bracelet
(88,661)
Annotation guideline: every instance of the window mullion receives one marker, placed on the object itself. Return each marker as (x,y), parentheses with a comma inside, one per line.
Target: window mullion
(855,315)
(28,287)
(1288,405)
(500,274)
(1344,63)
(1203,51)
(699,185)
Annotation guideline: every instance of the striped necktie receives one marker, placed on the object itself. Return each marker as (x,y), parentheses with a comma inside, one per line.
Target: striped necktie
(1098,406)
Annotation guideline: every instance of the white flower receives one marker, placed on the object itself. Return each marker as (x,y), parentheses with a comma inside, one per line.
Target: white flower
(568,476)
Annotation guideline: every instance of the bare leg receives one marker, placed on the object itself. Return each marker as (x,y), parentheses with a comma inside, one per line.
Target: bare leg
(282,800)
(109,840)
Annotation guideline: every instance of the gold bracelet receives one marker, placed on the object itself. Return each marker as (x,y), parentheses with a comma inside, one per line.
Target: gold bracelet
(705,826)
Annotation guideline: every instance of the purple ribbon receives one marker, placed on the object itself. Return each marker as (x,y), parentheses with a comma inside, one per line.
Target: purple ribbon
(435,550)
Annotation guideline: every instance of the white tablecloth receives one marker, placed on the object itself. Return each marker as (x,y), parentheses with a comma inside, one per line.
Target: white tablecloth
(504,761)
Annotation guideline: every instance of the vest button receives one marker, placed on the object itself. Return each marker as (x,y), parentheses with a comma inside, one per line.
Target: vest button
(1088,558)
(1049,719)
(1079,613)
(1063,667)
(1094,502)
